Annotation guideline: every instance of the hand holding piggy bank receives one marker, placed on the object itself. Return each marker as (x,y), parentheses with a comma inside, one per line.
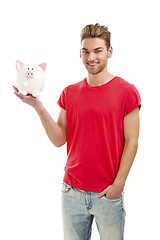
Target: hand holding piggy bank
(30,78)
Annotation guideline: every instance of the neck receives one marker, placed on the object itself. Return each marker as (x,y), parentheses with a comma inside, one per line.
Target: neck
(99,79)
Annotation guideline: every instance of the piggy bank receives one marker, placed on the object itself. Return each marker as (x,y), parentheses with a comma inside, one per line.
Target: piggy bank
(30,78)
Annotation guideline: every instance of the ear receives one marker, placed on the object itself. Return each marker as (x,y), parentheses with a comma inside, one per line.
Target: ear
(110,51)
(19,65)
(43,66)
(80,53)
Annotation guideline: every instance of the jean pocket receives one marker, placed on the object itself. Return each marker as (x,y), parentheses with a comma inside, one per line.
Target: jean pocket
(65,187)
(113,199)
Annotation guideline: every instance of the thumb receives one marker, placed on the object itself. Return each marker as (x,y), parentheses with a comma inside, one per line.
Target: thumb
(101,194)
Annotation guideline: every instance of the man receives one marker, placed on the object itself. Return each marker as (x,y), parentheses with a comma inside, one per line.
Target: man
(99,119)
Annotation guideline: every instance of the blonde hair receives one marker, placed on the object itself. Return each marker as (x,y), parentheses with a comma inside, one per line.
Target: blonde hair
(96,31)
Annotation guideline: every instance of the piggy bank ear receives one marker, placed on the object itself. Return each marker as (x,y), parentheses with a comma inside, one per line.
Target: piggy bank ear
(19,65)
(43,66)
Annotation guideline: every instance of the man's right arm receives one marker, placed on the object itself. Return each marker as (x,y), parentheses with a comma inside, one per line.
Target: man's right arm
(55,131)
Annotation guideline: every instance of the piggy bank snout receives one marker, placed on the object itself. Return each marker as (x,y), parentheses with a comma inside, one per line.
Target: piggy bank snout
(29,74)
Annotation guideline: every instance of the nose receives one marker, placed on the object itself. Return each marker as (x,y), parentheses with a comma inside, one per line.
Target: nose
(29,74)
(91,56)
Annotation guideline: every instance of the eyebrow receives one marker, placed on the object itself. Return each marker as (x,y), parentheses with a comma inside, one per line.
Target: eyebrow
(94,49)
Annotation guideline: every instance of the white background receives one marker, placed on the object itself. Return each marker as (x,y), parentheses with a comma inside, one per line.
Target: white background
(31,168)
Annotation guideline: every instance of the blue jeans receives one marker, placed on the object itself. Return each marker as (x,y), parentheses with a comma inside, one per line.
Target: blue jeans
(79,209)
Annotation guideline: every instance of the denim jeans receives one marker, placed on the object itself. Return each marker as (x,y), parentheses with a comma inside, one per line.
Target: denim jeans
(79,209)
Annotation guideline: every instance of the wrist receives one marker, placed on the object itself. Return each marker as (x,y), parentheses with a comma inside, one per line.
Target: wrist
(119,183)
(39,107)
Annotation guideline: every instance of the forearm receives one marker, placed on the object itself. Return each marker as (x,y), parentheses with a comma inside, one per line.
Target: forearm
(56,134)
(127,158)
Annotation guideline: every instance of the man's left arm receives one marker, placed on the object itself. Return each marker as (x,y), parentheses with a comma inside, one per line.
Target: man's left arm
(131,135)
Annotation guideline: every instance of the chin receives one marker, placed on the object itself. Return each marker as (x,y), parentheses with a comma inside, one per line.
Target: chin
(95,71)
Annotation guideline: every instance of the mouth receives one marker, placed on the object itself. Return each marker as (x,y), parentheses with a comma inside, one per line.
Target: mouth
(92,64)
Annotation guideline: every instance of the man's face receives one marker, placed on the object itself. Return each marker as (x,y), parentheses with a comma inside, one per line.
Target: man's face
(94,54)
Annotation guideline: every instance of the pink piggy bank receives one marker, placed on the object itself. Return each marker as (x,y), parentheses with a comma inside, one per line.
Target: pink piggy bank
(30,78)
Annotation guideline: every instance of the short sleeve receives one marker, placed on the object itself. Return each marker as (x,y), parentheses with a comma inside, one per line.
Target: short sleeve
(62,99)
(133,100)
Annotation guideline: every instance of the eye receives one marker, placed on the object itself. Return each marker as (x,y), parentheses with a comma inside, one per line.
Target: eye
(85,52)
(98,51)
(32,68)
(28,68)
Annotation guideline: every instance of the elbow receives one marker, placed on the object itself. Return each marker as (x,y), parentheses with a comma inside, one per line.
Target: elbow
(59,140)
(60,144)
(57,143)
(62,138)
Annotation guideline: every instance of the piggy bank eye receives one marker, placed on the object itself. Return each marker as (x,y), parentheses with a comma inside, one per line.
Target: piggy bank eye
(28,68)
(32,68)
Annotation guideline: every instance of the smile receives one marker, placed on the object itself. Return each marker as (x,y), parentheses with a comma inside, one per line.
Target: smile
(92,64)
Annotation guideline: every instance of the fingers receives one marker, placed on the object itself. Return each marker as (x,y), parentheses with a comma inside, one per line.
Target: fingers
(101,194)
(15,89)
(19,95)
(28,99)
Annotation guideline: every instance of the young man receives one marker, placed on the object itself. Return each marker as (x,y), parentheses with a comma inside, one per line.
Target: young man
(99,119)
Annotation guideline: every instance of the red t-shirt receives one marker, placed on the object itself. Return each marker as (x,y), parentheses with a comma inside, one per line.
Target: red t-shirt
(95,138)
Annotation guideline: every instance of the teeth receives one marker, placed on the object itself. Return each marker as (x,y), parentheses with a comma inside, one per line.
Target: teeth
(92,64)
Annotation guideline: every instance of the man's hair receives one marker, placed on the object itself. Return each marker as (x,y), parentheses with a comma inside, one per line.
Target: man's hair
(96,31)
